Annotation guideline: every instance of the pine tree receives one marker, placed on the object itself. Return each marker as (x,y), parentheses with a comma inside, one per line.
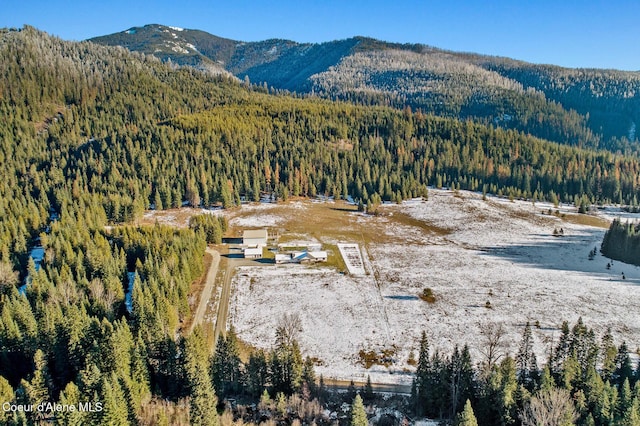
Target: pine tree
(461,380)
(609,352)
(226,365)
(625,398)
(309,377)
(351,390)
(466,417)
(546,380)
(561,352)
(6,395)
(71,397)
(506,403)
(257,373)
(624,368)
(281,404)
(115,405)
(37,389)
(526,360)
(202,406)
(631,415)
(421,380)
(367,393)
(139,388)
(358,414)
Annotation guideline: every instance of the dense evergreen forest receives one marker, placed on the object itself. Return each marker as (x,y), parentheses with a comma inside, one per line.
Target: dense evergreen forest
(584,381)
(622,242)
(445,84)
(607,98)
(92,136)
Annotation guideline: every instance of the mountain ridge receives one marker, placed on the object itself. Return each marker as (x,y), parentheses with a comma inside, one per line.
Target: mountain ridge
(583,107)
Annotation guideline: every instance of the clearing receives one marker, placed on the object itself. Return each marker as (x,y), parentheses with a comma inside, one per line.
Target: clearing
(484,260)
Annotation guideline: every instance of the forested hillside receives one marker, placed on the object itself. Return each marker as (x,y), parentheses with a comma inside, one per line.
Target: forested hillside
(93,135)
(608,99)
(581,107)
(443,84)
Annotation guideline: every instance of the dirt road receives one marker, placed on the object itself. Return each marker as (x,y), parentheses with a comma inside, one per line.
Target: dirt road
(205,296)
(229,264)
(223,305)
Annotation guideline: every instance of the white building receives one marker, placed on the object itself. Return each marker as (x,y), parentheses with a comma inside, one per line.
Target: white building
(254,237)
(317,256)
(253,252)
(302,257)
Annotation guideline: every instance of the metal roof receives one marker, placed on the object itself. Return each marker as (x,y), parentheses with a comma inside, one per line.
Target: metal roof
(254,233)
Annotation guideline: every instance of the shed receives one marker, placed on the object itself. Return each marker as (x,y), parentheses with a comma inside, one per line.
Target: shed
(318,256)
(254,237)
(253,253)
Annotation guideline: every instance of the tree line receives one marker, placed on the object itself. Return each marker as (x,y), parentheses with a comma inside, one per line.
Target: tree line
(584,381)
(622,242)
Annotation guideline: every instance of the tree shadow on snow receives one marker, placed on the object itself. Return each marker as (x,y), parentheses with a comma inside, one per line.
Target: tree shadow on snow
(407,297)
(569,252)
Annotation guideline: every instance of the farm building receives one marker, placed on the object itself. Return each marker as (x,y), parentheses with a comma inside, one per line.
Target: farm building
(254,237)
(253,252)
(302,257)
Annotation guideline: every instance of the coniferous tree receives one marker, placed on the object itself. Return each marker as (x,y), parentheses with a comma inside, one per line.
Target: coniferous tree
(257,373)
(624,368)
(421,383)
(115,411)
(70,396)
(226,365)
(466,417)
(368,394)
(37,389)
(202,406)
(608,355)
(625,399)
(308,378)
(631,415)
(358,414)
(526,362)
(6,395)
(461,379)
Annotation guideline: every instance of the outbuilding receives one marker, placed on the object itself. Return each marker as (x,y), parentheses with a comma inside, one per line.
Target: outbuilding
(254,237)
(302,257)
(253,252)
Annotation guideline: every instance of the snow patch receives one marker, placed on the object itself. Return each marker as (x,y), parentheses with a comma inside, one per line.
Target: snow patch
(176,47)
(176,28)
(253,221)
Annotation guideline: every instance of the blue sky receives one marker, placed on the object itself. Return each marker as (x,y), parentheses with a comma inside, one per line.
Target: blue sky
(588,33)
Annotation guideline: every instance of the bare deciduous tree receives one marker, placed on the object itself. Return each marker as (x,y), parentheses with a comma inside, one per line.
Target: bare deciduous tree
(493,347)
(288,328)
(552,407)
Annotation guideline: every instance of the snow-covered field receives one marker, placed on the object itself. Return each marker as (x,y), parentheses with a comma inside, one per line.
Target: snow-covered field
(469,251)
